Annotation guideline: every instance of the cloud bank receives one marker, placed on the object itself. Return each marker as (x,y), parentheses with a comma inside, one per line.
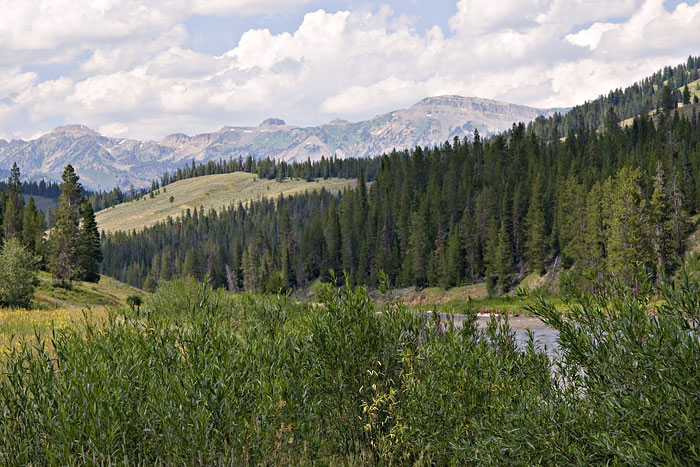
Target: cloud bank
(124,66)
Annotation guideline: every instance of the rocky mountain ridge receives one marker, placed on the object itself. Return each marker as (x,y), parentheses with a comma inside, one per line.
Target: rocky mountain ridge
(103,162)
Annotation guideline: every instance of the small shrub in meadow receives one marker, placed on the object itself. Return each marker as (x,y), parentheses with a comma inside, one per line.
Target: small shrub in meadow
(18,268)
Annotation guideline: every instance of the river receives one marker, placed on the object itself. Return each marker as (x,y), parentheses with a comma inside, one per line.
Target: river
(546,337)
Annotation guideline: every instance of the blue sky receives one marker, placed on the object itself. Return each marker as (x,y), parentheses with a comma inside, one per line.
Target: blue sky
(217,34)
(138,69)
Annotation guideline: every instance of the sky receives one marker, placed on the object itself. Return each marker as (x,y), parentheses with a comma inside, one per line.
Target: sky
(146,69)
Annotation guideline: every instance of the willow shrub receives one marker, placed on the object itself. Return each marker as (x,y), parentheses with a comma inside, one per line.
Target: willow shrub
(198,376)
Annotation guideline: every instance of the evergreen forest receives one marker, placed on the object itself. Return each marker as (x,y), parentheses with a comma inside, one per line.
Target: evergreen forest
(598,200)
(70,249)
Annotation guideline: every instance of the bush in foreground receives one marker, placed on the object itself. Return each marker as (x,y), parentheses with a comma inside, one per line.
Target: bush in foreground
(201,377)
(18,268)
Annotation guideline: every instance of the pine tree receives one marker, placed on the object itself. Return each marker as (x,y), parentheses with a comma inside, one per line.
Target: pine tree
(418,250)
(680,221)
(348,234)
(686,95)
(503,260)
(165,268)
(455,259)
(570,219)
(363,242)
(661,226)
(192,266)
(491,257)
(286,242)
(628,246)
(473,256)
(668,101)
(12,215)
(64,261)
(89,250)
(32,227)
(438,270)
(333,241)
(593,254)
(231,279)
(535,223)
(249,265)
(388,258)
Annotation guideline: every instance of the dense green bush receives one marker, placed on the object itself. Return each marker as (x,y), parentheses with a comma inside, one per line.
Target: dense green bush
(201,376)
(18,268)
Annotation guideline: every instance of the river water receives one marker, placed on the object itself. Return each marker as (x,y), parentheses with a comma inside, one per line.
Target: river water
(546,338)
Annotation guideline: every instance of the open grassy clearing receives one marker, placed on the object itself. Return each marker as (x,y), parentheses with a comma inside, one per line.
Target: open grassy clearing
(694,88)
(510,304)
(211,192)
(60,308)
(685,110)
(107,292)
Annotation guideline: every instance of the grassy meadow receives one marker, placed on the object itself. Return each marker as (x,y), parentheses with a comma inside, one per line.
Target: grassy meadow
(56,307)
(685,110)
(211,192)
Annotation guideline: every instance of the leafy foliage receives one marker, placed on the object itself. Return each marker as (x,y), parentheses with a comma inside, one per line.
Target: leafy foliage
(18,280)
(203,377)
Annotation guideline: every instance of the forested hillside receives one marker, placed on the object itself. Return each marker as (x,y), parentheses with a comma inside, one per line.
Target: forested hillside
(267,169)
(664,89)
(608,199)
(205,193)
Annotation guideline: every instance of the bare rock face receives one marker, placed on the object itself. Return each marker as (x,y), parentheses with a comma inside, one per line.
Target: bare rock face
(273,122)
(104,163)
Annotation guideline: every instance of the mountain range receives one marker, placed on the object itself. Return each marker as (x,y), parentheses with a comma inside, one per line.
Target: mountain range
(103,162)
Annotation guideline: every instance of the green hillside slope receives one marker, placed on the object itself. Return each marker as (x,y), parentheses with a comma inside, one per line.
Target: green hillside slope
(683,110)
(107,292)
(55,307)
(209,192)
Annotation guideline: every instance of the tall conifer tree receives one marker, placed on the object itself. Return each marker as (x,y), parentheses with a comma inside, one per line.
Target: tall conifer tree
(628,240)
(32,226)
(14,204)
(504,259)
(535,223)
(89,251)
(419,250)
(64,261)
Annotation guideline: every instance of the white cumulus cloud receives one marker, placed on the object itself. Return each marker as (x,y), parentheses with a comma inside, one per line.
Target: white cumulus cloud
(130,72)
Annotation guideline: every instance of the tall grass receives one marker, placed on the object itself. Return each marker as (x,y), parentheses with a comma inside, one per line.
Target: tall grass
(198,376)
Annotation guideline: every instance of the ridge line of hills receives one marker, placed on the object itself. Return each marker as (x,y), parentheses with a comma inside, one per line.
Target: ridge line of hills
(103,162)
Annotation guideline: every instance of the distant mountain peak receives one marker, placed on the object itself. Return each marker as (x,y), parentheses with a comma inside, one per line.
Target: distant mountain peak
(451,100)
(175,138)
(74,130)
(466,102)
(104,162)
(338,121)
(273,122)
